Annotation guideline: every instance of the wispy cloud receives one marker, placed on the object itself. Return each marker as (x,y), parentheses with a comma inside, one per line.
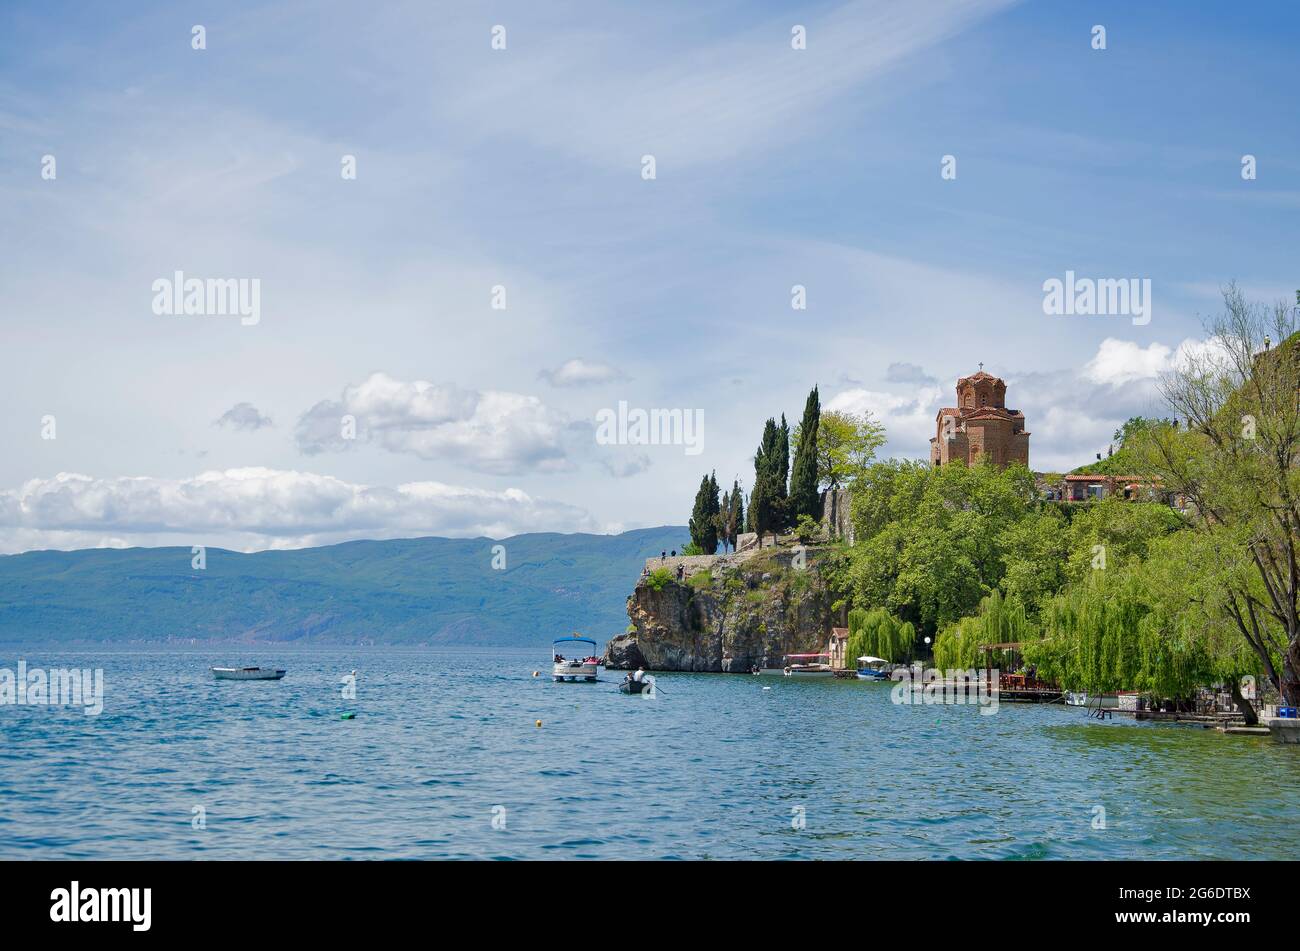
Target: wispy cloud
(579,372)
(243,416)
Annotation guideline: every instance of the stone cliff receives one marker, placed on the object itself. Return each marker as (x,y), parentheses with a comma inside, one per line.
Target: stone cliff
(741,610)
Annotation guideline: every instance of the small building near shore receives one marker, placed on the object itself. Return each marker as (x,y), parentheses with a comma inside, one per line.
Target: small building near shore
(839,642)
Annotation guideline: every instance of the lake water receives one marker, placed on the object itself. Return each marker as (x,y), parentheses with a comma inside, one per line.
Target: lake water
(717,767)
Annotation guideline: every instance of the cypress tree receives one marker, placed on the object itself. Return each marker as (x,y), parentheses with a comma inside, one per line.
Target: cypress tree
(767,500)
(763,458)
(714,507)
(738,505)
(760,509)
(804,497)
(704,528)
(781,471)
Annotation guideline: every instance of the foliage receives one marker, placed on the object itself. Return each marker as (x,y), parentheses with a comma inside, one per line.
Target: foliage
(806,529)
(877,633)
(846,446)
(704,516)
(767,508)
(999,621)
(805,500)
(930,541)
(701,579)
(659,578)
(1124,459)
(731,515)
(1235,463)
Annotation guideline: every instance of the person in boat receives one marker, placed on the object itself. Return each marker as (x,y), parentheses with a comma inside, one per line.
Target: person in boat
(638,675)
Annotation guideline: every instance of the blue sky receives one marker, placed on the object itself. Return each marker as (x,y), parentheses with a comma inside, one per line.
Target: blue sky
(522,168)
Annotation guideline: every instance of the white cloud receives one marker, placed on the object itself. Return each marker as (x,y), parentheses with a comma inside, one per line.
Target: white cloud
(908,418)
(578,372)
(1123,361)
(243,416)
(490,431)
(1118,362)
(258,508)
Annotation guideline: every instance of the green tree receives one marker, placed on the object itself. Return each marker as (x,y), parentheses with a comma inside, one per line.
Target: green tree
(767,500)
(781,468)
(738,504)
(762,508)
(931,541)
(1235,463)
(703,523)
(846,445)
(805,500)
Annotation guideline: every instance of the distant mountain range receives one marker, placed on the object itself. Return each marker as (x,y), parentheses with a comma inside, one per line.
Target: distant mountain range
(418,591)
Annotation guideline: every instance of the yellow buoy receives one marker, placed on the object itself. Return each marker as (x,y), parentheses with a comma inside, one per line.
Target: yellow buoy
(539,722)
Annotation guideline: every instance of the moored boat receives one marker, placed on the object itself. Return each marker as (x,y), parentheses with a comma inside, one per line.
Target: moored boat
(873,668)
(805,666)
(247,673)
(583,667)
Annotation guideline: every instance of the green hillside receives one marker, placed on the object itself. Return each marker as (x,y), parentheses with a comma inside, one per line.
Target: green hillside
(406,592)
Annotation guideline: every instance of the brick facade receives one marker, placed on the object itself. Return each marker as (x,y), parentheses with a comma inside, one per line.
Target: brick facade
(980,424)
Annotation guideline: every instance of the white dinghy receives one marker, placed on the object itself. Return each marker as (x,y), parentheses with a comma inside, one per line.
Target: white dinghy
(247,673)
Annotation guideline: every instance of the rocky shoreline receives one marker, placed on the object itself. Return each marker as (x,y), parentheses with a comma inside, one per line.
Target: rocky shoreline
(728,613)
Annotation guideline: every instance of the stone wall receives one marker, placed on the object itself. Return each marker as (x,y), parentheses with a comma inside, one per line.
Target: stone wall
(835,515)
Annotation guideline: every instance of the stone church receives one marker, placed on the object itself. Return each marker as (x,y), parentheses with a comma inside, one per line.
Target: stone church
(980,423)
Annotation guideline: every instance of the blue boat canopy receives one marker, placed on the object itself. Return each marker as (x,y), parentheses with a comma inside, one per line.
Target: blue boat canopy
(583,640)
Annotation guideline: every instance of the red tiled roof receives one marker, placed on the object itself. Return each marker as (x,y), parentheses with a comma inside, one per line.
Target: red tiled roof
(981,375)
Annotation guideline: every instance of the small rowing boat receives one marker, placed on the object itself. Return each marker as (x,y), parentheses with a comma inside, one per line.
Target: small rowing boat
(247,673)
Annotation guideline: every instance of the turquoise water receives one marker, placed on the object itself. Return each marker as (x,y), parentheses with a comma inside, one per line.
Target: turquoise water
(716,767)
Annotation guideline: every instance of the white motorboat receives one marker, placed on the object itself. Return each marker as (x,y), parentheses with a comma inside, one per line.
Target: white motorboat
(247,673)
(805,666)
(873,668)
(583,667)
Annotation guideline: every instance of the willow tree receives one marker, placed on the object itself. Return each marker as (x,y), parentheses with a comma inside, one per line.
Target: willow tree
(1155,626)
(1000,620)
(877,633)
(1235,461)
